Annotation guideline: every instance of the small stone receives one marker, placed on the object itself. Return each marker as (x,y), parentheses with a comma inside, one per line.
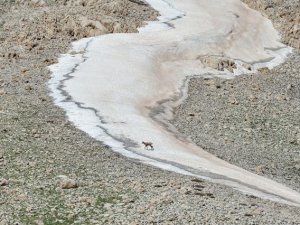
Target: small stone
(289,87)
(87,200)
(232,101)
(255,87)
(34,131)
(49,62)
(4,182)
(41,3)
(249,130)
(257,211)
(211,195)
(24,70)
(37,135)
(264,70)
(247,66)
(32,164)
(130,200)
(28,88)
(67,183)
(198,187)
(197,180)
(200,193)
(107,206)
(39,222)
(260,169)
(141,210)
(160,185)
(49,171)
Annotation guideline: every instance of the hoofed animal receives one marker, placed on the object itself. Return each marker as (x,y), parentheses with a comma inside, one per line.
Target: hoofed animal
(148,145)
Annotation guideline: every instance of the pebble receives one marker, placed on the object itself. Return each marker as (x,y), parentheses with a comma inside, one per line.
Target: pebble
(67,183)
(3,182)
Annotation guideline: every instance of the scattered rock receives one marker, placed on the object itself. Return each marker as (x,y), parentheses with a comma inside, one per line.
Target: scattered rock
(2,92)
(198,187)
(28,88)
(197,180)
(3,182)
(218,63)
(260,169)
(67,183)
(247,66)
(264,70)
(10,55)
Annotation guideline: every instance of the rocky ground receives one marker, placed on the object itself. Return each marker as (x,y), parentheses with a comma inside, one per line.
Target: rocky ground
(52,173)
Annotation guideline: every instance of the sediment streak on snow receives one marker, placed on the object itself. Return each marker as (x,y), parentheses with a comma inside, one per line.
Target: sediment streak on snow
(120,88)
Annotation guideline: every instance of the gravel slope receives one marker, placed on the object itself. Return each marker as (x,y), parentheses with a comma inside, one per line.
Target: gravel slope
(52,173)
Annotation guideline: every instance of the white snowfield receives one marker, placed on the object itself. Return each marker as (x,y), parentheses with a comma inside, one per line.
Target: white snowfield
(120,88)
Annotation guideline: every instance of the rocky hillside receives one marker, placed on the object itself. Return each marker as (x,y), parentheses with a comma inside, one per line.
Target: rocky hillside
(285,15)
